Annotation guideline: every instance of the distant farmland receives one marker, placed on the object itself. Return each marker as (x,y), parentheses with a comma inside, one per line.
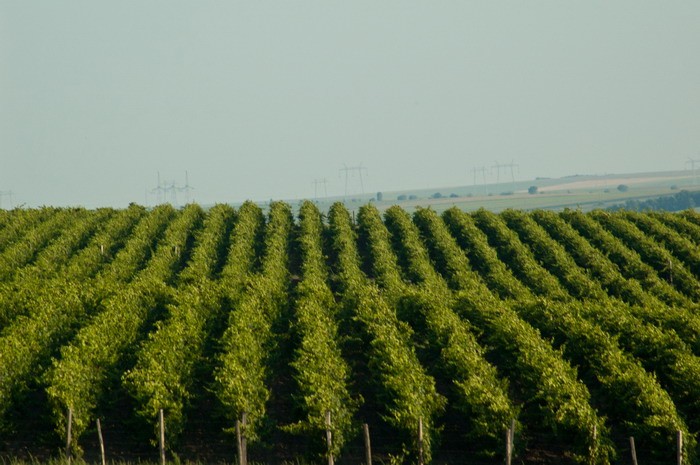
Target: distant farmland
(585,192)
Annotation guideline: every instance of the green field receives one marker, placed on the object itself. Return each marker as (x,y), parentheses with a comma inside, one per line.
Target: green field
(581,329)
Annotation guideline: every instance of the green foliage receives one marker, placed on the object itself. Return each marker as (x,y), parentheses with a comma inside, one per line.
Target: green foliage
(622,387)
(628,261)
(548,254)
(319,369)
(405,318)
(164,372)
(683,249)
(553,397)
(477,391)
(518,257)
(91,362)
(139,248)
(242,370)
(659,351)
(20,223)
(562,403)
(33,241)
(482,257)
(655,256)
(408,393)
(604,271)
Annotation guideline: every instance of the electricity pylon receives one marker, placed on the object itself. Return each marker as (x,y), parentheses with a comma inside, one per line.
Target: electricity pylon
(352,169)
(506,166)
(692,162)
(318,182)
(186,188)
(482,170)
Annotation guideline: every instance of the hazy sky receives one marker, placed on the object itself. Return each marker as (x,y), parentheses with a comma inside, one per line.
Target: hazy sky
(257,99)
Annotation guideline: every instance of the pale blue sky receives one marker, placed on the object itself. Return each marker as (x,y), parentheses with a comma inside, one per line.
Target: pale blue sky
(257,99)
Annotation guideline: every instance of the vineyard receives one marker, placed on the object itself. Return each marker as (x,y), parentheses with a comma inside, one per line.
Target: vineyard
(536,337)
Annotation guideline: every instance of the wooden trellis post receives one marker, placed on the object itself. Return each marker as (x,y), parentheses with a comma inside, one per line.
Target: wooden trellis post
(241,440)
(161,421)
(368,446)
(102,442)
(510,437)
(633,451)
(69,434)
(329,437)
(420,442)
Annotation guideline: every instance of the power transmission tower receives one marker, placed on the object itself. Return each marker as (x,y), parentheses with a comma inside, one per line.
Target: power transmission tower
(6,194)
(318,182)
(692,162)
(482,170)
(159,190)
(186,188)
(512,165)
(353,169)
(170,189)
(504,166)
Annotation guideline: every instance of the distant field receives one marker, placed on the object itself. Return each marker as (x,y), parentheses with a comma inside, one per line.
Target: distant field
(579,192)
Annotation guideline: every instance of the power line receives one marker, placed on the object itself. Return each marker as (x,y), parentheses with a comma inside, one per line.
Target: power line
(353,169)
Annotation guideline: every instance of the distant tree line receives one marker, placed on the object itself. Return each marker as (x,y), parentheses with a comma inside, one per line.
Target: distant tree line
(680,201)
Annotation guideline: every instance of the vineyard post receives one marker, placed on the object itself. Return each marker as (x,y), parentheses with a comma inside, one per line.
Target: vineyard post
(368,446)
(244,443)
(420,441)
(679,443)
(329,437)
(509,443)
(102,442)
(161,422)
(595,444)
(508,447)
(69,433)
(239,448)
(633,451)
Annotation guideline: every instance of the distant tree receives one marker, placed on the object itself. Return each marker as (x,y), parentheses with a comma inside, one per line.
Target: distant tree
(380,196)
(453,196)
(412,197)
(676,202)
(436,195)
(532,190)
(402,197)
(623,188)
